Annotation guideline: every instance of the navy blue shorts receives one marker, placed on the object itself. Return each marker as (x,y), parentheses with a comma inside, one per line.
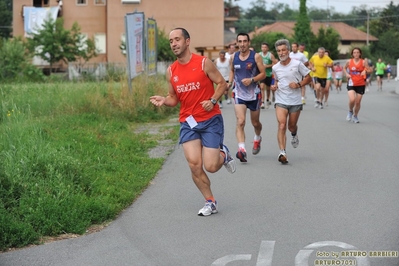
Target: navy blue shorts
(210,132)
(251,105)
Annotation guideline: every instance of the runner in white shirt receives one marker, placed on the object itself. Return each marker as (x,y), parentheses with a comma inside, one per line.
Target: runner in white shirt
(297,55)
(223,65)
(291,76)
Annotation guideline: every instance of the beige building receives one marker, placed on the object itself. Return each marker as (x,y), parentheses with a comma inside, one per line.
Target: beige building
(104,20)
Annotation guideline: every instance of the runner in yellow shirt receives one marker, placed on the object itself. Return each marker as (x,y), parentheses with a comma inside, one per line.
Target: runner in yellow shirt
(319,64)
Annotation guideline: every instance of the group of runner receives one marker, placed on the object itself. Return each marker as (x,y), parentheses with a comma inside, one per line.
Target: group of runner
(191,80)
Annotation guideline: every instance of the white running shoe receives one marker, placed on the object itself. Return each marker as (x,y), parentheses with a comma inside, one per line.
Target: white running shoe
(349,116)
(295,141)
(355,120)
(229,162)
(209,208)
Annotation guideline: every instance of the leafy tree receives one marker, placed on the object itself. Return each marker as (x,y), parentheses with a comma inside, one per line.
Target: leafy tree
(283,12)
(255,17)
(248,25)
(85,48)
(15,62)
(269,37)
(5,18)
(329,39)
(386,47)
(53,43)
(164,51)
(303,32)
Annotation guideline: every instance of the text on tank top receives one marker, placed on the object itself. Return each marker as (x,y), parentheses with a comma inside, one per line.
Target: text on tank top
(355,71)
(192,86)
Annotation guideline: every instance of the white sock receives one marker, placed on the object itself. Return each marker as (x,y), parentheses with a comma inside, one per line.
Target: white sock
(241,145)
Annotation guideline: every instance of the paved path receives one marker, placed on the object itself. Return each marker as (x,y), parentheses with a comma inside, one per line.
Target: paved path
(339,193)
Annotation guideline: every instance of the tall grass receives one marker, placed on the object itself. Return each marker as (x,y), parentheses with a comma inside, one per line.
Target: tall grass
(69,155)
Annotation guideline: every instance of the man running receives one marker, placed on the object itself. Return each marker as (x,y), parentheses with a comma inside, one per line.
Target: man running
(295,54)
(247,70)
(380,68)
(291,76)
(319,64)
(268,62)
(190,81)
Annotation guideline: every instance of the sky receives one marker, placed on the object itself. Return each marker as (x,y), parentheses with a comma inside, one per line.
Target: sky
(341,6)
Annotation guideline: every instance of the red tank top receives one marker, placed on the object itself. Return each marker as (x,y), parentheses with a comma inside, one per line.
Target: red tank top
(192,86)
(355,71)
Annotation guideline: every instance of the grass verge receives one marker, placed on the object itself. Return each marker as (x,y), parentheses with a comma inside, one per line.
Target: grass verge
(70,156)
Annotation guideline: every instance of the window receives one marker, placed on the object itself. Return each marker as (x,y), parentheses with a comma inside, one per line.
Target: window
(82,45)
(99,2)
(81,2)
(346,42)
(40,3)
(131,1)
(123,44)
(100,43)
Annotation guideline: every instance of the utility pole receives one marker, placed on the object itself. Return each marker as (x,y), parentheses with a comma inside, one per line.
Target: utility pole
(368,26)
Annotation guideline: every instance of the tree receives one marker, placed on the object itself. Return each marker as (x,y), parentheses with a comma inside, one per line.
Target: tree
(164,51)
(15,61)
(269,37)
(85,48)
(303,32)
(329,39)
(53,43)
(5,18)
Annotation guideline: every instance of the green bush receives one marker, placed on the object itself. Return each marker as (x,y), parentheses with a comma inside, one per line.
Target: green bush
(15,62)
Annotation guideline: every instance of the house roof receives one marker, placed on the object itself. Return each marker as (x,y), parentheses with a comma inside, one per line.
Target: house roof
(346,32)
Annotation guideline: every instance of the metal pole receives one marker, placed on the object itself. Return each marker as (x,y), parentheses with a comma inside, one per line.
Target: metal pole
(368,23)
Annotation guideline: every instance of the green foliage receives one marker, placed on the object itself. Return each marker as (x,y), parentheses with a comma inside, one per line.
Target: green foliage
(85,48)
(53,43)
(329,39)
(15,62)
(163,48)
(270,38)
(386,47)
(5,18)
(70,156)
(303,32)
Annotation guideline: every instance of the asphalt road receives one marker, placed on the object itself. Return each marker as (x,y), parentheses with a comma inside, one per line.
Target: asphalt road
(335,202)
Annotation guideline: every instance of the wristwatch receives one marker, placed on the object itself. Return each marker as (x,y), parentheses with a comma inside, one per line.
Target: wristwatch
(252,80)
(213,101)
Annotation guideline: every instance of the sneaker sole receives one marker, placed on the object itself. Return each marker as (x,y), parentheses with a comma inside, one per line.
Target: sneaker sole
(204,215)
(231,166)
(255,152)
(282,159)
(241,157)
